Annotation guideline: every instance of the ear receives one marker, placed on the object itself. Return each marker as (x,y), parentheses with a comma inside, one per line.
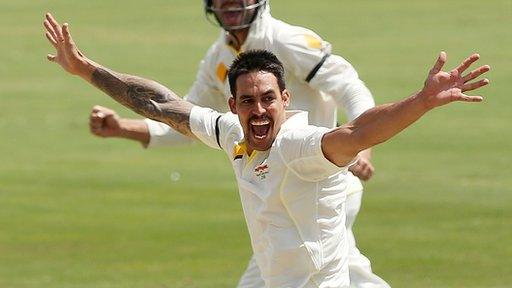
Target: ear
(286,97)
(232,104)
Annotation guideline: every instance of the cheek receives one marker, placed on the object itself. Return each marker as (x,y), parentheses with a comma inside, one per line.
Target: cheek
(274,113)
(242,111)
(243,114)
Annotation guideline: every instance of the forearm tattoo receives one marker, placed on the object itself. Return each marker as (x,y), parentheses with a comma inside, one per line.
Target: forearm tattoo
(146,97)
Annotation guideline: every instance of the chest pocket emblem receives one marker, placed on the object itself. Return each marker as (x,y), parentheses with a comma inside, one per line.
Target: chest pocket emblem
(261,171)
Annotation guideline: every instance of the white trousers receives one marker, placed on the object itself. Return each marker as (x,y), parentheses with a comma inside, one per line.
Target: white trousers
(359,267)
(361,275)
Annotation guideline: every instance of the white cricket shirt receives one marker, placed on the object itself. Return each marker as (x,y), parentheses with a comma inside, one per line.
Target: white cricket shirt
(293,199)
(319,82)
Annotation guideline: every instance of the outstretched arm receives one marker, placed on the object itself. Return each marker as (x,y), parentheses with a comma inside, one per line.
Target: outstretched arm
(381,123)
(143,96)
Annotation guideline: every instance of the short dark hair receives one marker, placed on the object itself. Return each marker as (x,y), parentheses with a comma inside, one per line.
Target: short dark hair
(256,60)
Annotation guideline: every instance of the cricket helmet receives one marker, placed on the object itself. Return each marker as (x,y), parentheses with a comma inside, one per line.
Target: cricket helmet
(249,13)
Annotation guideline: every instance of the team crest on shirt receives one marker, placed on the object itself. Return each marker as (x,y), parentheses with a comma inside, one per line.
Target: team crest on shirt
(261,170)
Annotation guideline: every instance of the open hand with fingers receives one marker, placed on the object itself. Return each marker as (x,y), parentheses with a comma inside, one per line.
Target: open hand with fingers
(444,87)
(67,54)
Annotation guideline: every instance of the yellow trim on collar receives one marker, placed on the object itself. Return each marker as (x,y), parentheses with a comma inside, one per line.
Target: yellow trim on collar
(240,149)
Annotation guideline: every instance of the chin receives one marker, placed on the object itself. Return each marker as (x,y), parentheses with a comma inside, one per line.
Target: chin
(231,21)
(261,144)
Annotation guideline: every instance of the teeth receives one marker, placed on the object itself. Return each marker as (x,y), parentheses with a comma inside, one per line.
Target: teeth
(260,122)
(260,127)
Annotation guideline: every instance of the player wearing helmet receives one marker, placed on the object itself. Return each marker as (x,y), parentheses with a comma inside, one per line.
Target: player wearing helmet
(234,15)
(319,82)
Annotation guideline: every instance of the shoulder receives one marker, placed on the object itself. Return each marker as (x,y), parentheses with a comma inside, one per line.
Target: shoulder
(301,151)
(300,142)
(299,49)
(229,121)
(212,52)
(287,36)
(300,137)
(215,129)
(299,134)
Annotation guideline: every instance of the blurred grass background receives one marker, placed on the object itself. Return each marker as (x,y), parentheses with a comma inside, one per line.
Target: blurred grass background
(78,211)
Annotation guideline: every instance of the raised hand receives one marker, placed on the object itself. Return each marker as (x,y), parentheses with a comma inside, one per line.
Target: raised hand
(67,54)
(444,87)
(104,122)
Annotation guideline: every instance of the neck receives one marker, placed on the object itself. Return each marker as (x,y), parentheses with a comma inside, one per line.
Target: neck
(237,38)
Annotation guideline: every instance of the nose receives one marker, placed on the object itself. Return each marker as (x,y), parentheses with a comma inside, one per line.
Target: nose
(259,109)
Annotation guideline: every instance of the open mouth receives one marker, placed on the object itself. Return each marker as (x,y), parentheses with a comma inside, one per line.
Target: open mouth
(231,11)
(231,17)
(260,127)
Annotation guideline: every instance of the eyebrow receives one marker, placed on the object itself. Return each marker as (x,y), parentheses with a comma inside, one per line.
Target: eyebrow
(266,93)
(269,91)
(245,96)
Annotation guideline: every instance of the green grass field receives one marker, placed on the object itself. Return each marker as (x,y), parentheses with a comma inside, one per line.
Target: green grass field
(79,211)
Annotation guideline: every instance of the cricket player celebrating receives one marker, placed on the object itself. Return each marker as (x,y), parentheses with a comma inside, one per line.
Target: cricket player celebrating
(319,82)
(292,177)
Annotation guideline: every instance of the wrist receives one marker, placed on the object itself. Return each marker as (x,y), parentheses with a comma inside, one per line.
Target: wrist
(125,128)
(134,130)
(366,154)
(421,98)
(87,68)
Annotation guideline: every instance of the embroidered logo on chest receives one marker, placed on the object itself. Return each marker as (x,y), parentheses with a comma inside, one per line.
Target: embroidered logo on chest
(261,171)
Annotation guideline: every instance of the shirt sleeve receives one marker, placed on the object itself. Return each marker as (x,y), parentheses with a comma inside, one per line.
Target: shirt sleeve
(301,50)
(203,93)
(337,77)
(301,150)
(161,135)
(217,130)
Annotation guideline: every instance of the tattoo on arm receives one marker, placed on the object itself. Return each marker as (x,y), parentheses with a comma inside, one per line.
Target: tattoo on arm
(146,97)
